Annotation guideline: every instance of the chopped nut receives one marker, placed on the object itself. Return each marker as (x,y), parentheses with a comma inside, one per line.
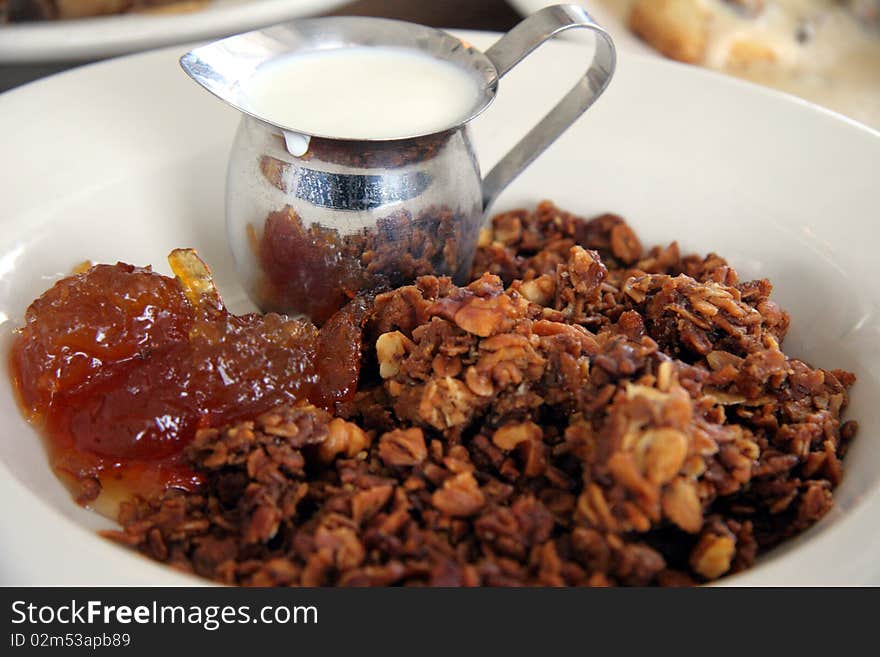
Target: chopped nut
(446,365)
(480,316)
(391,349)
(634,390)
(343,438)
(664,376)
(594,508)
(511,435)
(460,496)
(403,447)
(662,453)
(445,403)
(366,503)
(712,555)
(343,544)
(508,228)
(681,505)
(624,244)
(479,384)
(540,290)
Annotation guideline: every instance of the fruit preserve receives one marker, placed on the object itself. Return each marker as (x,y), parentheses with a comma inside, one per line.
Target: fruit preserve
(120,366)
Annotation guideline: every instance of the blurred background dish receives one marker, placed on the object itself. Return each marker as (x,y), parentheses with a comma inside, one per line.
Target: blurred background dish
(23,11)
(104,36)
(826,51)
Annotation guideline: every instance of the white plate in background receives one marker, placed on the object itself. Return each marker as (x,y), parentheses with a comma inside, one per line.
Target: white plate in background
(135,165)
(105,36)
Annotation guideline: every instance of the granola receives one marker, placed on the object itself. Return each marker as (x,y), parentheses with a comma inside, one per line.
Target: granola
(584,413)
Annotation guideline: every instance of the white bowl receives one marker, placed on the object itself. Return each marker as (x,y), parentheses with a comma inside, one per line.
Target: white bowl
(124,160)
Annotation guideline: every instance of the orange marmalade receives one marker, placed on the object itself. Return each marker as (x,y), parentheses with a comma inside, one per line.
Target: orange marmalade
(119,366)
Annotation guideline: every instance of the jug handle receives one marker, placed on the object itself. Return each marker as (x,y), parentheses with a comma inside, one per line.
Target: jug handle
(511,49)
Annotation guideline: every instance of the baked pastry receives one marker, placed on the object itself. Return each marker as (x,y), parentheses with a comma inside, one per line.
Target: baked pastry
(827,51)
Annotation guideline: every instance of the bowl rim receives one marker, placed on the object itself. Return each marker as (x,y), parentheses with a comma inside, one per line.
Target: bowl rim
(763,570)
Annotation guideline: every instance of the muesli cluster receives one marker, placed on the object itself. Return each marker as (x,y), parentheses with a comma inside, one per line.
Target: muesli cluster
(584,412)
